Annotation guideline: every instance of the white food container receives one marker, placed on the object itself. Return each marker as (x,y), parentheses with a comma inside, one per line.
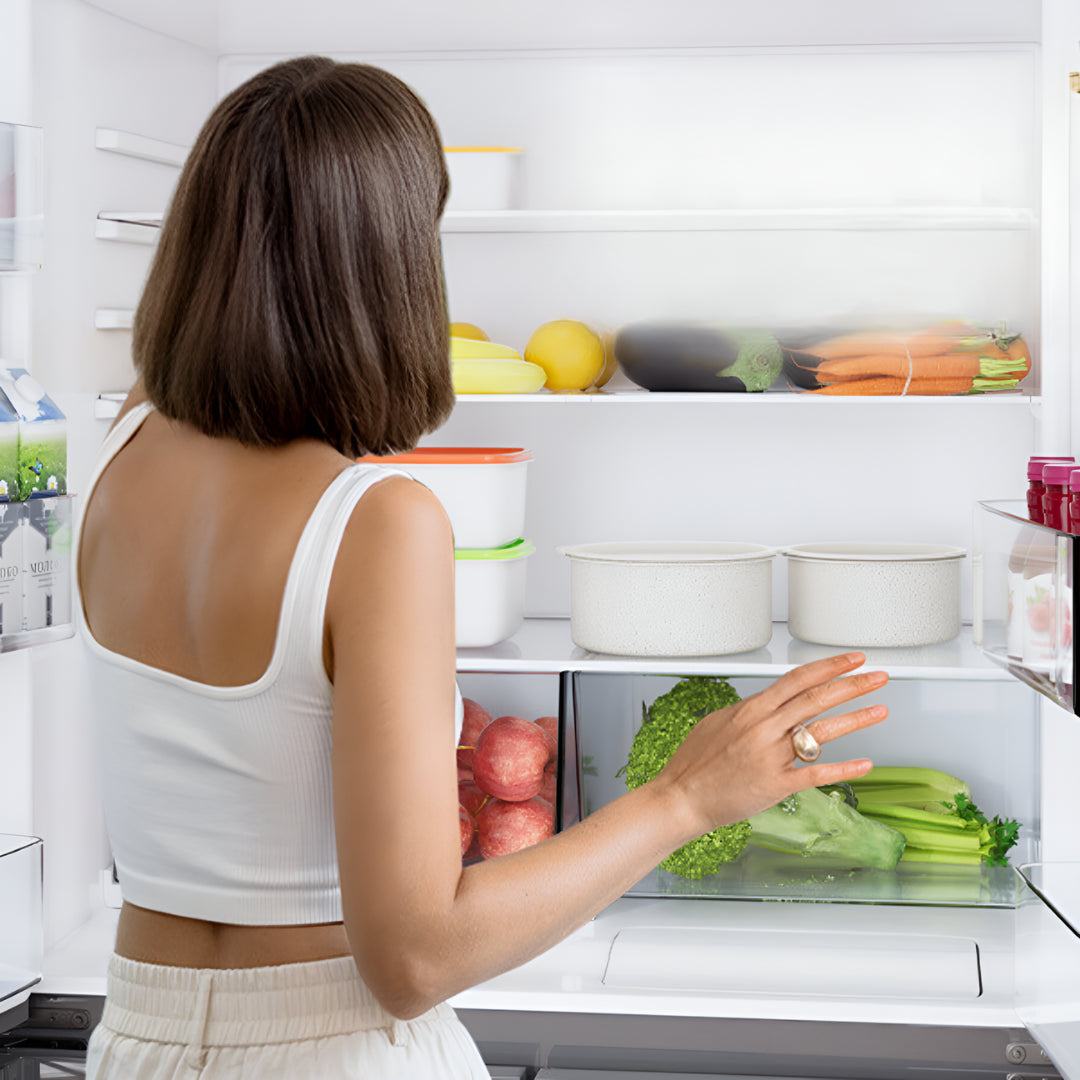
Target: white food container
(483,177)
(670,598)
(481,488)
(867,595)
(489,588)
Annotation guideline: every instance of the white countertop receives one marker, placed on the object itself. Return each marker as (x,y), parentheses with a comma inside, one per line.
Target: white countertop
(813,979)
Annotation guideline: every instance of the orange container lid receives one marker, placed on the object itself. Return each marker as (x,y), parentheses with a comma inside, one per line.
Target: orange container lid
(456,455)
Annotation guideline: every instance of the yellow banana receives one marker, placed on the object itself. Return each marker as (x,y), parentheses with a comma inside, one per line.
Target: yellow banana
(470,349)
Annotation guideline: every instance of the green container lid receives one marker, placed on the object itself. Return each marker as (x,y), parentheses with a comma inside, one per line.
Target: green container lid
(516,549)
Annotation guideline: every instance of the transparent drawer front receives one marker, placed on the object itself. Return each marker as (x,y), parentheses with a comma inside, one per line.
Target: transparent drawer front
(21,938)
(981,732)
(1023,603)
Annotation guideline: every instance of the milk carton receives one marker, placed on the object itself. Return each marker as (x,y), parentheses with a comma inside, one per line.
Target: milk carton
(42,434)
(47,562)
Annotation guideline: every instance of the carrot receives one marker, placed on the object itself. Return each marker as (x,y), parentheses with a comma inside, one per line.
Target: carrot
(900,367)
(925,343)
(894,386)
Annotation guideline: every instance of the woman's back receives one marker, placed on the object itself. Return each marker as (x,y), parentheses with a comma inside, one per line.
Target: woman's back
(186,546)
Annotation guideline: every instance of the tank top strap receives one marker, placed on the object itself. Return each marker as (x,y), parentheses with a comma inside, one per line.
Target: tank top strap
(304,603)
(118,437)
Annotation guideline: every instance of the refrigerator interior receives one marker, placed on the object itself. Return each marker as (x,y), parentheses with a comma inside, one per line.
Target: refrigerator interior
(737,163)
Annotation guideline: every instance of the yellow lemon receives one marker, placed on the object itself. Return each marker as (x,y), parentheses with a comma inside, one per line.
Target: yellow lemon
(467,330)
(571,354)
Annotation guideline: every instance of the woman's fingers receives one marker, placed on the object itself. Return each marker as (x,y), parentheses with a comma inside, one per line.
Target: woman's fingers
(818,699)
(834,727)
(808,677)
(832,773)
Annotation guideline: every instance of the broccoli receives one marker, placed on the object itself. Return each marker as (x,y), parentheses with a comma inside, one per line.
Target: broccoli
(664,725)
(808,823)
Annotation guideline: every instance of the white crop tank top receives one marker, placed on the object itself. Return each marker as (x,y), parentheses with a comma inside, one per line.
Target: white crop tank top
(218,800)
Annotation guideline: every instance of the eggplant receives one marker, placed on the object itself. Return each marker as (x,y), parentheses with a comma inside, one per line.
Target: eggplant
(682,356)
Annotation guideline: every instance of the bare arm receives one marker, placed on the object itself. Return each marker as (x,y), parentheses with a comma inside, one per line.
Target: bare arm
(421,927)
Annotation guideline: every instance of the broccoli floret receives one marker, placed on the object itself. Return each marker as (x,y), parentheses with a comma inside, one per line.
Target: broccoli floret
(664,726)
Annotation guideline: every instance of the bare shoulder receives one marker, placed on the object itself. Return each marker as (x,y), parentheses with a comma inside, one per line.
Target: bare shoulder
(398,525)
(402,508)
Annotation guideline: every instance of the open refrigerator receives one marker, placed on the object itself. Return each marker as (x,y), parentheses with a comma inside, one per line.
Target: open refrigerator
(776,162)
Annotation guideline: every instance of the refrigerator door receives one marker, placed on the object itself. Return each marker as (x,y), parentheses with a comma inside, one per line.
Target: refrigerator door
(1048,964)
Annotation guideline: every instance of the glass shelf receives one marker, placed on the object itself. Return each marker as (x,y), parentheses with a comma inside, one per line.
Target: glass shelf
(545,645)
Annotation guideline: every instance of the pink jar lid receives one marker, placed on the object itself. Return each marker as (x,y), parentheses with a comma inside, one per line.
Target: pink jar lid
(1057,473)
(1035,465)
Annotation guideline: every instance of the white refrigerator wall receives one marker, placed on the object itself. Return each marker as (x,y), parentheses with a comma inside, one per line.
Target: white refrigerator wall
(91,69)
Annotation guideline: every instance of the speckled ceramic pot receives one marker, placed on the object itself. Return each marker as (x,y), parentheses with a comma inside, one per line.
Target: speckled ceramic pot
(670,598)
(866,595)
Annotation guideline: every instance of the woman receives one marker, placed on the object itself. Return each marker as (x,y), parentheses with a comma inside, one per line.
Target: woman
(270,631)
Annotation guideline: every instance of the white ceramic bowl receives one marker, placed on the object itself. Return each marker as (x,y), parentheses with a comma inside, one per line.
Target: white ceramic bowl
(869,595)
(489,593)
(670,598)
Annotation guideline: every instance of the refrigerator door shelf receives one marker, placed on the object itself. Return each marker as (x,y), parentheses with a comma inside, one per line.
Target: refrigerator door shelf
(21,932)
(1023,598)
(1048,961)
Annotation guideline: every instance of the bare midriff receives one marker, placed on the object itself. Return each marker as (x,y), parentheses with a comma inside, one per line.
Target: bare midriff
(154,937)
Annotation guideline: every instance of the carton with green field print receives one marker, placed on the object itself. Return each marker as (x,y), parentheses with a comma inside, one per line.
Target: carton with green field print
(42,437)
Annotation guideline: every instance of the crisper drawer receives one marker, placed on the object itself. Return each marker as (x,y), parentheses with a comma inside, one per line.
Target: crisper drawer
(983,733)
(1023,598)
(504,820)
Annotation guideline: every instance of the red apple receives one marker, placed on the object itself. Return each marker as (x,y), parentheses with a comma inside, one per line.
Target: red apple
(474,849)
(464,776)
(471,797)
(510,757)
(468,827)
(476,719)
(549,788)
(505,827)
(551,725)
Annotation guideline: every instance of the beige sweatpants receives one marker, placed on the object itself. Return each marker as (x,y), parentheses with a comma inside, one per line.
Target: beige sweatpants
(296,1020)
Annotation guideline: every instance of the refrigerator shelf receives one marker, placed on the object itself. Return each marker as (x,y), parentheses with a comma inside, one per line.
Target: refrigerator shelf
(142,226)
(872,218)
(767,399)
(545,645)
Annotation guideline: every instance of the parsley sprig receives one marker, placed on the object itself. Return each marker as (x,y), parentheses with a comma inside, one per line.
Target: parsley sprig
(1003,833)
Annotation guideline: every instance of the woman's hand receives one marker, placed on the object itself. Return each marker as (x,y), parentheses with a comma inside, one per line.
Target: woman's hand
(740,760)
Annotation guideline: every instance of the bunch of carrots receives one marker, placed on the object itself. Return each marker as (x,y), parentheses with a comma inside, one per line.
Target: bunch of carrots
(938,360)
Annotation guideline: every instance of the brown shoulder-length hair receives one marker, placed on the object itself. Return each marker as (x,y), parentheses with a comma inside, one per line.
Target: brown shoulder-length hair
(297,290)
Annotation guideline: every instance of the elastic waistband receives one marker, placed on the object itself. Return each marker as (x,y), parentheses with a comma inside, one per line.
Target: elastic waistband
(211,1007)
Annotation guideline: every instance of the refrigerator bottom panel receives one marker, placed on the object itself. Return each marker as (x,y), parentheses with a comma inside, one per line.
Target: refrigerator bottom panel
(569,1046)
